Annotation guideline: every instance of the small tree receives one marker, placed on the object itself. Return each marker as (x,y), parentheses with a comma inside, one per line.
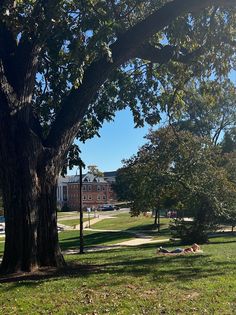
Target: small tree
(93,169)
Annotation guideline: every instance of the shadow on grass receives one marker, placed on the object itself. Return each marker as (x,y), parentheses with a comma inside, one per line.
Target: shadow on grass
(161,269)
(103,238)
(222,238)
(125,262)
(120,264)
(147,227)
(93,239)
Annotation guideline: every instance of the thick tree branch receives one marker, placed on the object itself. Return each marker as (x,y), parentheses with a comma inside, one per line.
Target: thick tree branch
(8,47)
(7,42)
(31,44)
(166,53)
(7,90)
(75,104)
(22,67)
(153,54)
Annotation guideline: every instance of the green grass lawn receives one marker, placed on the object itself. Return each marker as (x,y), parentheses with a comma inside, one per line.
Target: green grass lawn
(64,214)
(72,222)
(140,224)
(129,280)
(132,281)
(70,239)
(123,221)
(128,226)
(1,245)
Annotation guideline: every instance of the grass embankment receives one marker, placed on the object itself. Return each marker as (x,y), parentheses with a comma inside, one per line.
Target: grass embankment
(133,281)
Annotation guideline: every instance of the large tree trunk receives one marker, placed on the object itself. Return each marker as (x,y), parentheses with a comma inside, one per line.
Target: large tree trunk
(49,253)
(29,195)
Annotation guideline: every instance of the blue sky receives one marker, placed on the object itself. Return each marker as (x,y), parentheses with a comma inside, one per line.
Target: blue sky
(119,139)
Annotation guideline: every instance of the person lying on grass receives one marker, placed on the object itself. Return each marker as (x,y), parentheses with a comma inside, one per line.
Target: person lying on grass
(193,249)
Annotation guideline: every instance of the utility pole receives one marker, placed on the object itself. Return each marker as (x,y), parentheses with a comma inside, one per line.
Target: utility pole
(81,227)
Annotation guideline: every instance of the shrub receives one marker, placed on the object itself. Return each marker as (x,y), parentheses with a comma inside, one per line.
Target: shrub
(65,208)
(189,231)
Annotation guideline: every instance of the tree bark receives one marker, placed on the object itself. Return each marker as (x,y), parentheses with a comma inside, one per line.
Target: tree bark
(29,196)
(48,250)
(155,219)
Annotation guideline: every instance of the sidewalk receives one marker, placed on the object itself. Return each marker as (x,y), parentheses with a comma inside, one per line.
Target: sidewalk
(93,221)
(141,241)
(138,238)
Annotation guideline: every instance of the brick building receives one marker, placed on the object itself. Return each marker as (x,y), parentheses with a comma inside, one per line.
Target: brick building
(96,190)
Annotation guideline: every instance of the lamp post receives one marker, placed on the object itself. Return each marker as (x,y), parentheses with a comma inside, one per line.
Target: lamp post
(89,210)
(81,228)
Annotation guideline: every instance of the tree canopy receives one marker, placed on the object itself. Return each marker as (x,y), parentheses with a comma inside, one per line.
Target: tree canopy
(179,170)
(207,109)
(90,58)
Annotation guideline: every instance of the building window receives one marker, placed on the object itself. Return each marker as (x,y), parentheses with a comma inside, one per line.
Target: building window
(89,187)
(98,197)
(103,188)
(84,197)
(84,188)
(98,188)
(89,197)
(104,197)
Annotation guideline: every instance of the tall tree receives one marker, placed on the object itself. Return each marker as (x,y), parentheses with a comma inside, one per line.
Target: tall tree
(229,141)
(180,169)
(209,109)
(65,67)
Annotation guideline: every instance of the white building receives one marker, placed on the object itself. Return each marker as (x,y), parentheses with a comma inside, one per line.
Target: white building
(62,191)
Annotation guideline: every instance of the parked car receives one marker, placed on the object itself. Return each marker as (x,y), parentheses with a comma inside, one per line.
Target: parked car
(2,229)
(106,207)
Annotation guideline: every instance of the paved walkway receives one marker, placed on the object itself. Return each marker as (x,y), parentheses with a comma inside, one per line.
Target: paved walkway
(134,242)
(94,220)
(139,238)
(142,241)
(86,223)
